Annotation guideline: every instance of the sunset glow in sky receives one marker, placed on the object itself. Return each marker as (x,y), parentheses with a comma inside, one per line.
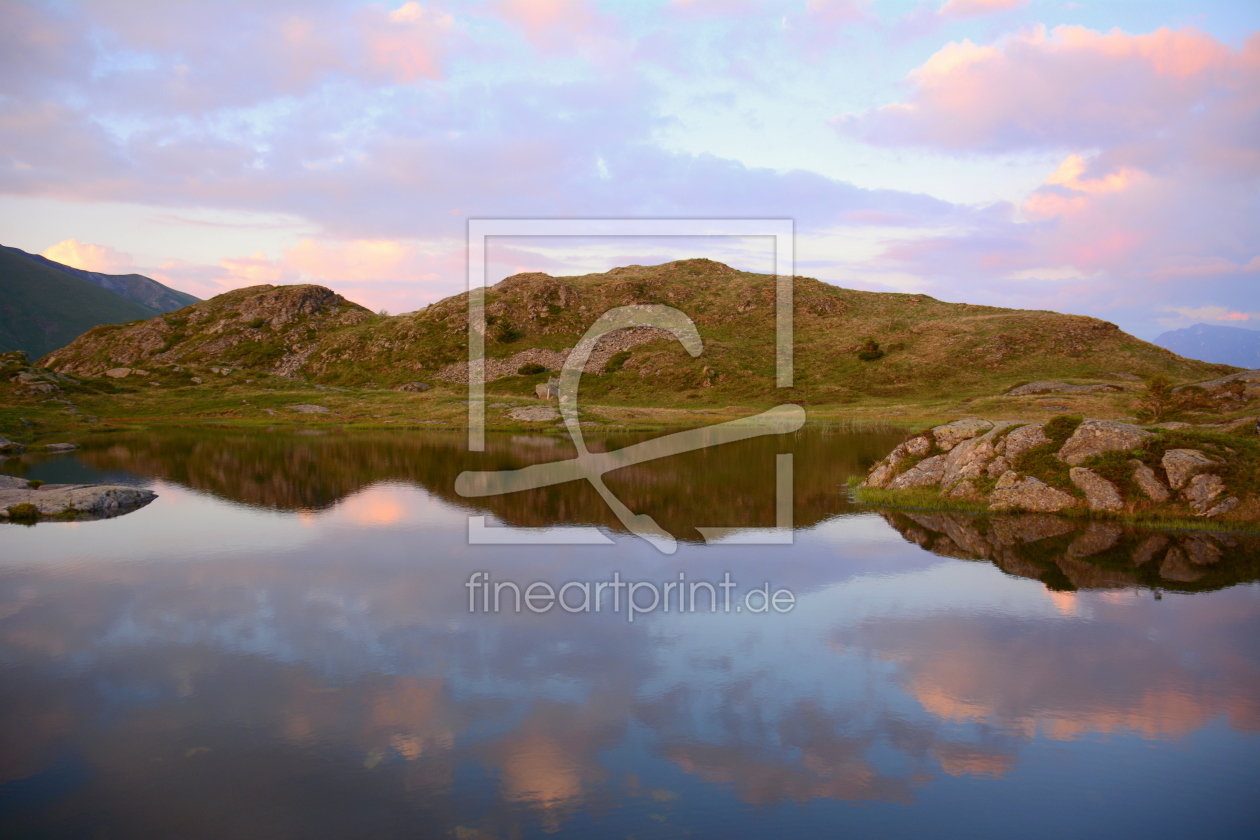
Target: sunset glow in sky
(1100,158)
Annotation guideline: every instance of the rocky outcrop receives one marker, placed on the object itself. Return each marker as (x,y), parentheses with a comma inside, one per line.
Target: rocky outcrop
(1014,492)
(980,460)
(10,447)
(19,501)
(1033,388)
(1094,437)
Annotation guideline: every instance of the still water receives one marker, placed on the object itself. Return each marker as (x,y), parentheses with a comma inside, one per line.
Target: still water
(281,646)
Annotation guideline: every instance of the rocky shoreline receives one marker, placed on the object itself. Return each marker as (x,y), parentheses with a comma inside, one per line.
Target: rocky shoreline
(26,501)
(1077,465)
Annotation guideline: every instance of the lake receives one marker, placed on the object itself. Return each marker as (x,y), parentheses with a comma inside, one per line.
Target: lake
(291,642)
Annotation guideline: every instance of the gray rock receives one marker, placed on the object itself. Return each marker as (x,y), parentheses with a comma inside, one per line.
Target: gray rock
(1149,482)
(1021,440)
(309,409)
(1100,494)
(95,501)
(918,446)
(1183,464)
(952,434)
(997,466)
(414,387)
(1028,493)
(60,447)
(967,461)
(10,481)
(885,470)
(881,475)
(926,473)
(196,380)
(1224,507)
(1202,491)
(965,489)
(118,373)
(1058,388)
(1094,437)
(11,446)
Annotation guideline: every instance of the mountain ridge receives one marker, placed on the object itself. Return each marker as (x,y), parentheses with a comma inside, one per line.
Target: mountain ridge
(1213,343)
(922,347)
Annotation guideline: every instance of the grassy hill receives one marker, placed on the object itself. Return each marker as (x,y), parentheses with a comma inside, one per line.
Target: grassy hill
(850,346)
(42,309)
(45,305)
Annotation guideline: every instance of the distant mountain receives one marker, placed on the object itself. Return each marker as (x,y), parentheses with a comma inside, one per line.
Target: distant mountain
(45,305)
(136,287)
(1209,343)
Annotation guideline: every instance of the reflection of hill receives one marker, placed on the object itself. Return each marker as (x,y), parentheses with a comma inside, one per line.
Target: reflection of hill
(1066,554)
(724,486)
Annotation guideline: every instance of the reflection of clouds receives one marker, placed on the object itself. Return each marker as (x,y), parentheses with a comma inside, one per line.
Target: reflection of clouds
(1063,681)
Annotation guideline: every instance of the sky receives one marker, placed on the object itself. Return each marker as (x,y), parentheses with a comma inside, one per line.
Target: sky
(1098,158)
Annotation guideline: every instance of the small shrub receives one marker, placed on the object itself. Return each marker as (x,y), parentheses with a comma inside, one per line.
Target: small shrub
(1156,401)
(1061,427)
(870,350)
(257,323)
(531,369)
(617,361)
(506,333)
(25,512)
(34,484)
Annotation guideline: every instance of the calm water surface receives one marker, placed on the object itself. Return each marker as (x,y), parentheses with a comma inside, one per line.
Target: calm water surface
(280,646)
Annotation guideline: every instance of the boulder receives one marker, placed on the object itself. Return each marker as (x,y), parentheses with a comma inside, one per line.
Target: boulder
(965,489)
(1020,441)
(535,414)
(881,475)
(952,434)
(309,409)
(1094,437)
(1223,507)
(1150,484)
(917,446)
(1183,464)
(118,373)
(95,501)
(1100,494)
(1202,491)
(413,387)
(10,446)
(926,473)
(1058,388)
(1028,493)
(967,460)
(997,466)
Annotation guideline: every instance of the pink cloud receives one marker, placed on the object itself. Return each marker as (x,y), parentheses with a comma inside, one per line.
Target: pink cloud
(1069,86)
(90,257)
(560,26)
(1235,316)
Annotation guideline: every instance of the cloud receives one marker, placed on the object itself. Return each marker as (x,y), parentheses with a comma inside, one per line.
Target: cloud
(1070,86)
(978,8)
(90,257)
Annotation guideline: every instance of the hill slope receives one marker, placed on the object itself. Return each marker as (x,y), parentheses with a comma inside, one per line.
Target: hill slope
(931,349)
(135,287)
(1223,345)
(42,309)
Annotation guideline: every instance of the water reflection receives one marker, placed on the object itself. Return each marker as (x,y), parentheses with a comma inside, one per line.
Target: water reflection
(203,668)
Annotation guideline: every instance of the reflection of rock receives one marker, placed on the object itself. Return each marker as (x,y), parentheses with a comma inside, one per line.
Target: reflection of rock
(1066,554)
(1094,437)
